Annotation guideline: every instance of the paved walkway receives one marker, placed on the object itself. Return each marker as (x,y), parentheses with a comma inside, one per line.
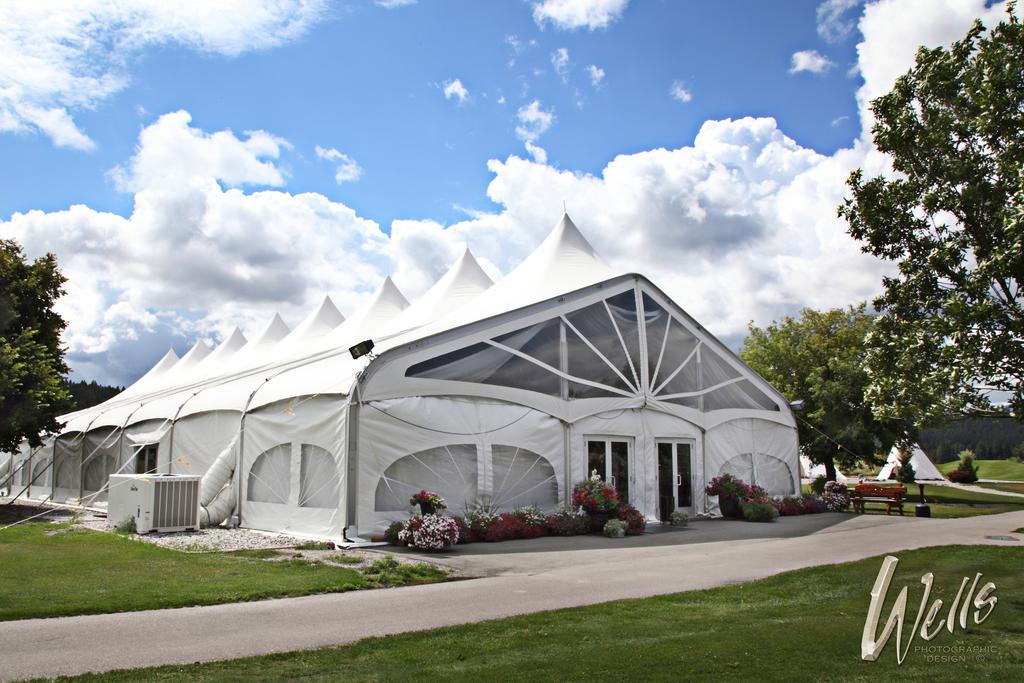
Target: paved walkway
(519,577)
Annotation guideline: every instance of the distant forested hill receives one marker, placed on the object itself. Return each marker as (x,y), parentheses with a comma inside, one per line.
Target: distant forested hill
(87,394)
(991,438)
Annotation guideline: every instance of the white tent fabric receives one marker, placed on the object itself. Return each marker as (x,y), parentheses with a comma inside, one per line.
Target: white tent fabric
(808,470)
(924,468)
(502,391)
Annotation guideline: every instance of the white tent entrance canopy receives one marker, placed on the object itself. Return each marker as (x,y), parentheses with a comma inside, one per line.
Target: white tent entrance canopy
(504,392)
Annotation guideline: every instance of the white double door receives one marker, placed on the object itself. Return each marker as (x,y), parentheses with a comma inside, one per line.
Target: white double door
(675,475)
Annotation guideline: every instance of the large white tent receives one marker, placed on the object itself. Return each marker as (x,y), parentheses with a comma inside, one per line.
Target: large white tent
(507,392)
(924,468)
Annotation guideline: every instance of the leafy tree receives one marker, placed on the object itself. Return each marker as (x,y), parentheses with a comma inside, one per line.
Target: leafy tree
(905,473)
(32,392)
(819,359)
(951,218)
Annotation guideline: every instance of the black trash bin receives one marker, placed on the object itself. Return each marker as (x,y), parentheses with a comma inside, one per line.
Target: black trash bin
(922,511)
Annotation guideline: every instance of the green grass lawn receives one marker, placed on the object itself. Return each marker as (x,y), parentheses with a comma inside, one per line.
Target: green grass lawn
(1010,488)
(49,570)
(991,469)
(949,502)
(803,625)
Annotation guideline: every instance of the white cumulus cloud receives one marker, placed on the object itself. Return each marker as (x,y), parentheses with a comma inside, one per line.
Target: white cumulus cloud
(679,92)
(560,62)
(576,14)
(454,89)
(61,58)
(345,168)
(596,75)
(810,60)
(835,22)
(534,121)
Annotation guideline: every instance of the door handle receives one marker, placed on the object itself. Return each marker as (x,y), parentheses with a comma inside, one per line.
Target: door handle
(679,480)
(611,480)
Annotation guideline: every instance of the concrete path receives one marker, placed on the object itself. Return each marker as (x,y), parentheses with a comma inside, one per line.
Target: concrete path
(519,577)
(981,489)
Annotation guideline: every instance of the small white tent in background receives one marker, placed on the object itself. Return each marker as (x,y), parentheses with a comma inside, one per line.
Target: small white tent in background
(808,470)
(924,468)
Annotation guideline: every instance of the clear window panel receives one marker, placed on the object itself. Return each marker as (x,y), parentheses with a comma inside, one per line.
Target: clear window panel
(623,310)
(522,477)
(656,321)
(319,482)
(665,474)
(596,459)
(541,341)
(450,471)
(679,347)
(586,364)
(620,468)
(270,478)
(596,326)
(684,483)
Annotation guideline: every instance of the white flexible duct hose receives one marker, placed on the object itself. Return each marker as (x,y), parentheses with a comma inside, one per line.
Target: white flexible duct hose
(212,497)
(219,509)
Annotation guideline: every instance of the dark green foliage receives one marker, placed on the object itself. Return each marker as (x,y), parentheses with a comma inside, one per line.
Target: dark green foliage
(991,438)
(951,324)
(760,512)
(32,366)
(819,358)
(906,474)
(87,394)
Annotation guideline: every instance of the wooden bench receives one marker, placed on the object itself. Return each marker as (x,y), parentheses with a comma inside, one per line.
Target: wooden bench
(873,493)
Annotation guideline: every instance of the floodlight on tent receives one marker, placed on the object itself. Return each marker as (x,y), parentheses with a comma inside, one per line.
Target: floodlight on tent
(361,349)
(797,404)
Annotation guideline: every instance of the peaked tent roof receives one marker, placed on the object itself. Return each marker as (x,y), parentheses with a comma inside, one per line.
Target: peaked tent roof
(924,468)
(210,365)
(564,262)
(163,365)
(257,349)
(463,283)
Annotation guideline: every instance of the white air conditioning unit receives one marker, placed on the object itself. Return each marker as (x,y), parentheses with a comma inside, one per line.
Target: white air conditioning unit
(157,502)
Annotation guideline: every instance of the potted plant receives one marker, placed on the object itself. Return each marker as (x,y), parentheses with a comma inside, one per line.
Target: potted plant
(729,490)
(430,503)
(597,499)
(614,528)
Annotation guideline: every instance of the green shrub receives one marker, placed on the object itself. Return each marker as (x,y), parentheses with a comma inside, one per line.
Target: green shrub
(905,474)
(126,526)
(679,518)
(760,512)
(818,485)
(614,528)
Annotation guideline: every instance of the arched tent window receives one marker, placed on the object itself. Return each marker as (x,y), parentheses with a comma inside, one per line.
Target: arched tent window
(522,477)
(97,470)
(767,471)
(450,471)
(319,482)
(40,473)
(270,476)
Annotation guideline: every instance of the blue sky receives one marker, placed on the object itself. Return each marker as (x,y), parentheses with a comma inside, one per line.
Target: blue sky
(198,166)
(367,81)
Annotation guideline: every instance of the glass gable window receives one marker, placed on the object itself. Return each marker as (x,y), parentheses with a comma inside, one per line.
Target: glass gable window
(596,352)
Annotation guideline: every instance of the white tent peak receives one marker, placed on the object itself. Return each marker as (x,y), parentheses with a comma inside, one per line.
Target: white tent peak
(197,353)
(321,321)
(463,282)
(273,332)
(228,347)
(169,360)
(369,319)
